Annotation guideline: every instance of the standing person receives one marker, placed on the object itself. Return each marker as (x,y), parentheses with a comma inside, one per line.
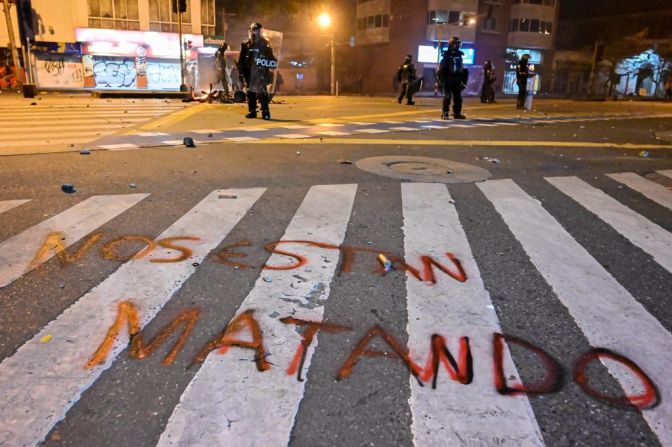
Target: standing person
(668,87)
(452,78)
(522,75)
(220,66)
(405,75)
(254,65)
(489,78)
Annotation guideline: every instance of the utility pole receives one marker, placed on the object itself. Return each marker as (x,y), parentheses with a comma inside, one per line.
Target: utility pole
(12,42)
(180,6)
(333,66)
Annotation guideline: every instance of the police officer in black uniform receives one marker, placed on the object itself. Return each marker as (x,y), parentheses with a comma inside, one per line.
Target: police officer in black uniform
(522,75)
(405,75)
(453,78)
(254,65)
(489,78)
(220,65)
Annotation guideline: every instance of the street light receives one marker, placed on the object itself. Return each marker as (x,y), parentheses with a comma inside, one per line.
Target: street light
(324,20)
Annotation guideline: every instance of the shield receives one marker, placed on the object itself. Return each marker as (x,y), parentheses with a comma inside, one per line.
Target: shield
(415,86)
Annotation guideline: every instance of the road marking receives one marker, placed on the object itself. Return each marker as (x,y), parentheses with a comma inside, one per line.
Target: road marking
(464,126)
(293,136)
(643,233)
(202,131)
(391,122)
(434,126)
(242,139)
(403,129)
(666,173)
(605,311)
(175,117)
(453,309)
(7,205)
(152,134)
(360,123)
(470,143)
(173,142)
(334,133)
(201,416)
(293,127)
(370,131)
(654,191)
(18,252)
(40,382)
(117,147)
(330,125)
(49,142)
(57,126)
(253,129)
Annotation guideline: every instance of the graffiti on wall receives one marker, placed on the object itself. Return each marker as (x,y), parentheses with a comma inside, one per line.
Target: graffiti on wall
(163,76)
(58,70)
(112,72)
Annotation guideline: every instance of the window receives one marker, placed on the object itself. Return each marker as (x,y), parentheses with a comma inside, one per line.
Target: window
(454,17)
(114,14)
(379,21)
(546,28)
(534,25)
(386,21)
(524,25)
(514,25)
(535,2)
(162,18)
(208,17)
(370,21)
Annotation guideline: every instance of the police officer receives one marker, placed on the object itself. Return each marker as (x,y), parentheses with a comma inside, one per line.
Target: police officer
(406,75)
(522,75)
(220,66)
(453,78)
(254,66)
(489,78)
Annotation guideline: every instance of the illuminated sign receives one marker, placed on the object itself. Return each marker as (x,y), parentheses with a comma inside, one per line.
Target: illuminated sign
(429,55)
(107,42)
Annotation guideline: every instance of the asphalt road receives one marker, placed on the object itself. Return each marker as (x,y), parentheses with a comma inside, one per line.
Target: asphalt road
(549,248)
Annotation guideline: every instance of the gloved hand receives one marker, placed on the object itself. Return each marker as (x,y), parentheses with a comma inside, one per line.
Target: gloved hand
(463,86)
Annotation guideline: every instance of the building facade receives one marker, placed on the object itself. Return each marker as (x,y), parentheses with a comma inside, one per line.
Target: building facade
(115,44)
(496,30)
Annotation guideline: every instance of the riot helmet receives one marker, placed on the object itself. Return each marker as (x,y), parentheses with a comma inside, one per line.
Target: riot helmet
(255,31)
(454,43)
(525,58)
(408,59)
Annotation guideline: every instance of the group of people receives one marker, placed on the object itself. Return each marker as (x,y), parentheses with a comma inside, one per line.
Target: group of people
(453,77)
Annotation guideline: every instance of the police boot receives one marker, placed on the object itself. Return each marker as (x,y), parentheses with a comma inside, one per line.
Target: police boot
(266,114)
(445,116)
(251,115)
(459,116)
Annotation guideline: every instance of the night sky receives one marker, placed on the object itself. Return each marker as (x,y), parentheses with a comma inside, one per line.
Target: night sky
(578,9)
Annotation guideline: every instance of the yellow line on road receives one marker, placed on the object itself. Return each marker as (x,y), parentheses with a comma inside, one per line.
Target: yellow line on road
(382,142)
(173,118)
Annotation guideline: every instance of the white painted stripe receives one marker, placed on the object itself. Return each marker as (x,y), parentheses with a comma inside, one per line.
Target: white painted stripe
(57,126)
(57,121)
(32,134)
(501,123)
(204,131)
(7,205)
(372,131)
(485,124)
(242,139)
(83,114)
(41,381)
(120,146)
(252,129)
(293,136)
(17,253)
(434,126)
(294,127)
(151,134)
(403,129)
(47,142)
(605,311)
(360,123)
(654,191)
(335,133)
(201,416)
(453,310)
(464,126)
(330,125)
(643,233)
(391,122)
(666,173)
(173,142)
(421,121)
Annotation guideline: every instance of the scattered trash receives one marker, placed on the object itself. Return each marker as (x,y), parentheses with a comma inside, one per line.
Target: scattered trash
(575,136)
(345,162)
(644,154)
(582,127)
(68,188)
(386,263)
(133,185)
(298,152)
(85,152)
(189,142)
(491,160)
(195,264)
(451,201)
(210,135)
(33,103)
(227,196)
(268,279)
(46,339)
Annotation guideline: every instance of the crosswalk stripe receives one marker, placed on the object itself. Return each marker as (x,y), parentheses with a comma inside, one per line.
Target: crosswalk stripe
(607,314)
(32,135)
(643,233)
(47,142)
(58,127)
(371,130)
(334,133)
(453,310)
(654,191)
(68,119)
(666,173)
(7,205)
(403,129)
(293,136)
(40,382)
(201,416)
(17,254)
(117,147)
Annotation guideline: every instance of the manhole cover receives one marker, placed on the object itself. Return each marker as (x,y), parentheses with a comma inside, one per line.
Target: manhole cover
(423,169)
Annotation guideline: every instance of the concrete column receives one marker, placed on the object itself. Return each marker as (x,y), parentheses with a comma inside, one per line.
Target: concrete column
(195,16)
(143,14)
